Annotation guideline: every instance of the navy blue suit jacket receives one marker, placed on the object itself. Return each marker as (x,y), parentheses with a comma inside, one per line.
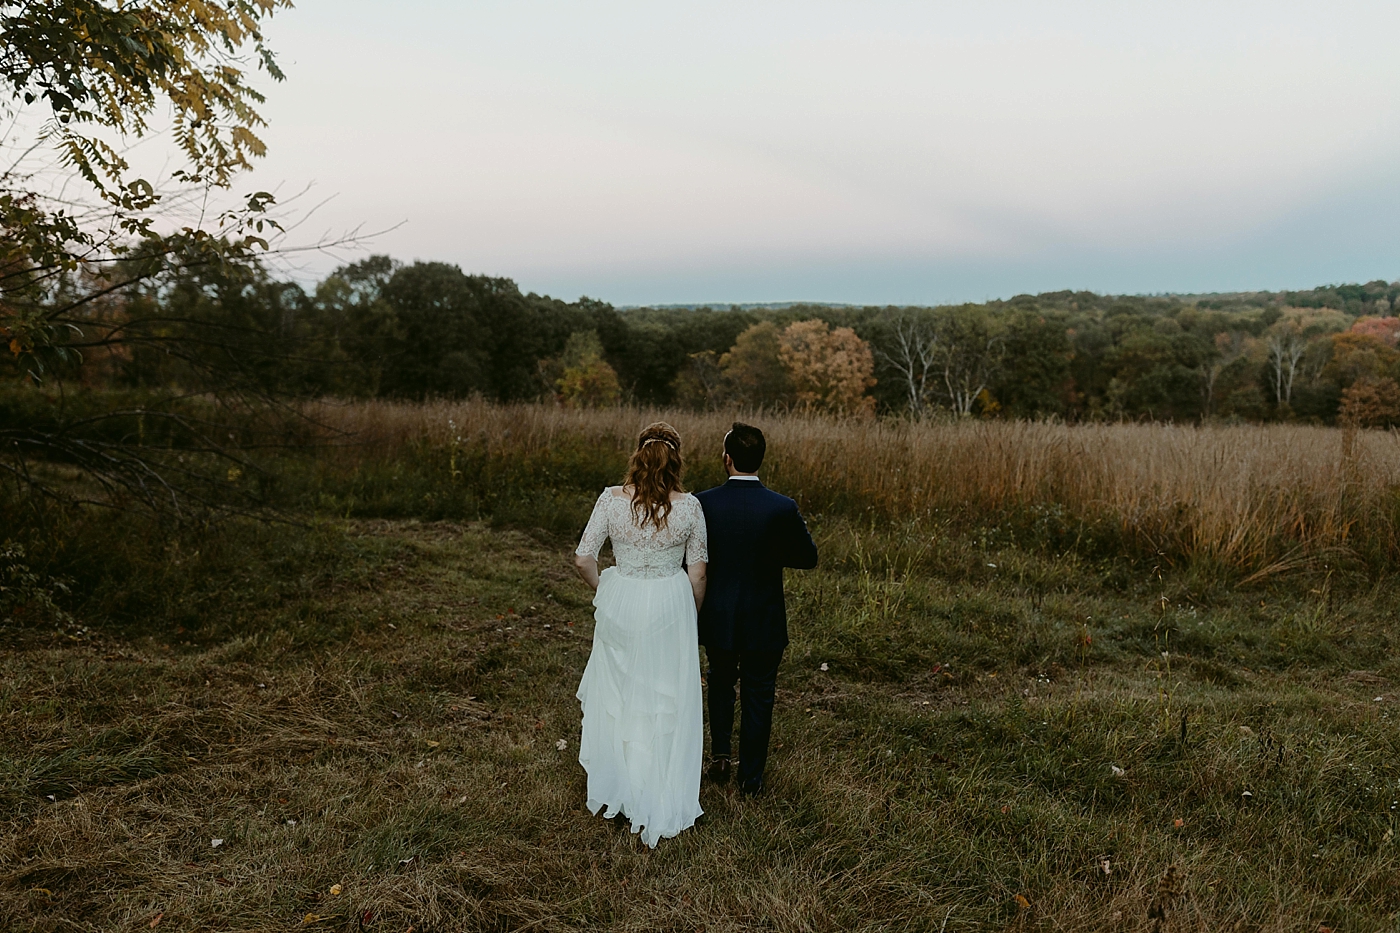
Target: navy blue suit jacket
(753,534)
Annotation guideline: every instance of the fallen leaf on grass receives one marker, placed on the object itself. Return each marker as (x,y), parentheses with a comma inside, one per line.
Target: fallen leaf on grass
(215,843)
(335,889)
(824,667)
(562,744)
(1022,902)
(1178,822)
(432,744)
(156,919)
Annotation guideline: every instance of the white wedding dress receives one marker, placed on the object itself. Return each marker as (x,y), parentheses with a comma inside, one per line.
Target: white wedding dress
(643,737)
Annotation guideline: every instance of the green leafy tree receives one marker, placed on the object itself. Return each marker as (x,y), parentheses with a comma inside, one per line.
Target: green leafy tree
(586,380)
(970,352)
(92,75)
(700,383)
(1035,378)
(359,326)
(753,368)
(89,77)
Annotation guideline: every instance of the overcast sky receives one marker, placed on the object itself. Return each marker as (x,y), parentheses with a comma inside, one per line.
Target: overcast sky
(867,151)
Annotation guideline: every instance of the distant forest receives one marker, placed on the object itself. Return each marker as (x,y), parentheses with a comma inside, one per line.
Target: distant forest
(378,328)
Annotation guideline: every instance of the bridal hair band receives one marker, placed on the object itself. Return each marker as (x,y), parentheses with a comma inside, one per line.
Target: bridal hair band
(660,440)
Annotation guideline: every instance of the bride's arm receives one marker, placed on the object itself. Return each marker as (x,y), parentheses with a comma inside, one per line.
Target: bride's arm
(586,556)
(587,568)
(696,572)
(697,552)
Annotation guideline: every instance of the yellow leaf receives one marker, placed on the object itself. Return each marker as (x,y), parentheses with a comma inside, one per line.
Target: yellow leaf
(310,918)
(1021,902)
(335,889)
(432,744)
(156,919)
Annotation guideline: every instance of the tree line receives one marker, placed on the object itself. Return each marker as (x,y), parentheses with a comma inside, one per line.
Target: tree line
(378,328)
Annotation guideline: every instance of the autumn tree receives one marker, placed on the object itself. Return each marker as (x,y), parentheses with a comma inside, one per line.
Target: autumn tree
(1384,329)
(830,369)
(1359,355)
(1371,402)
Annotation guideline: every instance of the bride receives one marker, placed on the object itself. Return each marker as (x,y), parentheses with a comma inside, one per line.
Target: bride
(642,738)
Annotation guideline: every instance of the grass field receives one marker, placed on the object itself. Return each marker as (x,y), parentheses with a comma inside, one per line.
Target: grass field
(1229,501)
(982,725)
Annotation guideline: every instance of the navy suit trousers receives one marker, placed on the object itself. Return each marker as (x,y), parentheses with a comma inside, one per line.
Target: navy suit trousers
(756,672)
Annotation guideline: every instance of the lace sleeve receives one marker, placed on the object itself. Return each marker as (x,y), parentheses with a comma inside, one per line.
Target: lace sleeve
(697,546)
(597,530)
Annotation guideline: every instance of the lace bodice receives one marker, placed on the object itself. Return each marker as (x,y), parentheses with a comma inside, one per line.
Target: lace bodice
(647,552)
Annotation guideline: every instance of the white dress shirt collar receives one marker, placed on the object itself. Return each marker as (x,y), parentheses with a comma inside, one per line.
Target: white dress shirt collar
(754,478)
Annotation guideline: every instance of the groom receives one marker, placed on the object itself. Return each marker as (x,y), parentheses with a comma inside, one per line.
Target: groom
(753,534)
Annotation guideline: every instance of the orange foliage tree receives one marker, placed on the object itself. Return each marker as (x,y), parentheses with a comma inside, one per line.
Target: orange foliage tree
(830,369)
(1371,402)
(1357,355)
(1384,329)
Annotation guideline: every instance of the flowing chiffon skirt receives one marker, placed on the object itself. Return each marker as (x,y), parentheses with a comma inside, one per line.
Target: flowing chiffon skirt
(643,738)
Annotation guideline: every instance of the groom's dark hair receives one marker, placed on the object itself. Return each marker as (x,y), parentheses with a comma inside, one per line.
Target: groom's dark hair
(745,445)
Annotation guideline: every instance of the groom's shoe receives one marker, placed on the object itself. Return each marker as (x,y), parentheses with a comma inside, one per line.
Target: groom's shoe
(719,770)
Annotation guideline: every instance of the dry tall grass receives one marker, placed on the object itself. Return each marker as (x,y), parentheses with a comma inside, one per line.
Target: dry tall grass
(1257,498)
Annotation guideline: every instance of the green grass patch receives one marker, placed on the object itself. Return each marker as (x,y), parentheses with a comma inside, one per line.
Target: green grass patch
(1053,742)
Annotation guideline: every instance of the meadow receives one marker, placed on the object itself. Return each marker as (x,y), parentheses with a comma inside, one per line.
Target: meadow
(1047,677)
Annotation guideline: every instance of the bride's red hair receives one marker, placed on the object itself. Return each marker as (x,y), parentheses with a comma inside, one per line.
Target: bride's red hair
(653,473)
